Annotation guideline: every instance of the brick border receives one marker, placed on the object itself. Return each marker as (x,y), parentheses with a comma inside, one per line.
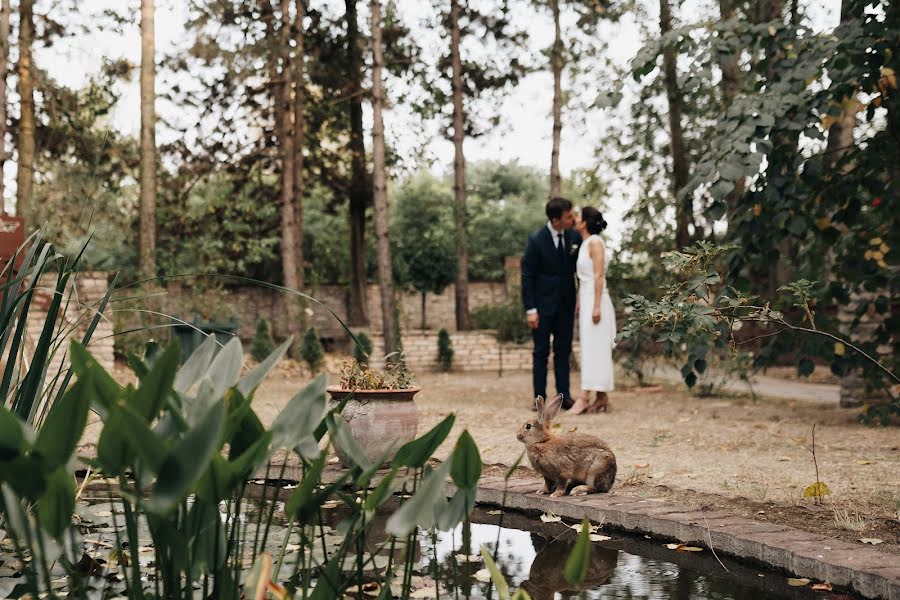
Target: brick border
(865,570)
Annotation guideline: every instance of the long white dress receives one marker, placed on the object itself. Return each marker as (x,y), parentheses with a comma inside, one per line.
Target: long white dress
(597,340)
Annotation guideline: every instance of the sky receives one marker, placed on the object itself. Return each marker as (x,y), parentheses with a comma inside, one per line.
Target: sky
(523,136)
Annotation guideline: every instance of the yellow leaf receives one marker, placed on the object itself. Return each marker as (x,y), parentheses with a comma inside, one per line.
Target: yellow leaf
(797,582)
(872,541)
(599,538)
(875,241)
(683,548)
(884,248)
(772,30)
(822,587)
(757,209)
(550,518)
(816,490)
(866,462)
(839,349)
(823,223)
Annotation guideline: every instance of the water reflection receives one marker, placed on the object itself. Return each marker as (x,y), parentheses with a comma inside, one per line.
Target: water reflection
(545,577)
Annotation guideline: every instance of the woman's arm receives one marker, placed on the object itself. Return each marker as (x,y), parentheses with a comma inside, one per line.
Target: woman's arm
(597,250)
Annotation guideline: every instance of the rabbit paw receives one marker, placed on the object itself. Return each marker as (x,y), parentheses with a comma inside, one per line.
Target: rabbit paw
(581,490)
(542,492)
(558,493)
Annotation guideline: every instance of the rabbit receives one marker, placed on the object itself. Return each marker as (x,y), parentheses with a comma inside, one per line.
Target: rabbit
(545,577)
(574,463)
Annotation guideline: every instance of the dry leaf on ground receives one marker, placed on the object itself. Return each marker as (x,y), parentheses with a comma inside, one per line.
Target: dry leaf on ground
(550,518)
(599,538)
(797,582)
(683,548)
(873,541)
(483,575)
(822,587)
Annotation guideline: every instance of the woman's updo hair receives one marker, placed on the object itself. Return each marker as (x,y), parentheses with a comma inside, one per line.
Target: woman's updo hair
(593,219)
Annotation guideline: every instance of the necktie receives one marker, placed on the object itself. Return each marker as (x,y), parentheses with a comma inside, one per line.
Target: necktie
(560,247)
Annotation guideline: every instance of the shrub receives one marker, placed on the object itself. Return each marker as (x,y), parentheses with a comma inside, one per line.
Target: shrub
(445,350)
(507,319)
(263,344)
(362,349)
(311,349)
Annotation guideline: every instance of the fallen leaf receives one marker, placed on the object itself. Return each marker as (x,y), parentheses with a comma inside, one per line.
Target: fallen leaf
(643,466)
(865,462)
(577,528)
(783,459)
(873,541)
(816,490)
(483,575)
(599,538)
(822,587)
(495,512)
(574,429)
(797,582)
(683,548)
(468,557)
(550,518)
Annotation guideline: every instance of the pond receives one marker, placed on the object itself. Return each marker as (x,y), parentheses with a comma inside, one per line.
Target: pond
(530,553)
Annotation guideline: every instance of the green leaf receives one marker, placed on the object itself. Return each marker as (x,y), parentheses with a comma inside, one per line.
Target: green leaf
(157,384)
(419,511)
(416,453)
(577,564)
(113,451)
(64,425)
(805,367)
(303,503)
(55,506)
(301,416)
(328,585)
(455,511)
(466,469)
(690,380)
(700,365)
(496,575)
(248,384)
(142,441)
(381,492)
(187,460)
(103,389)
(225,370)
(12,435)
(342,438)
(196,366)
(797,225)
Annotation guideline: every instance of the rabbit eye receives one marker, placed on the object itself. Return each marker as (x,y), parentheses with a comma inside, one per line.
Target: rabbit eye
(528,426)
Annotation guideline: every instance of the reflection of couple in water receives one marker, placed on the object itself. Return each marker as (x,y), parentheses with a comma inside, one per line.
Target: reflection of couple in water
(545,577)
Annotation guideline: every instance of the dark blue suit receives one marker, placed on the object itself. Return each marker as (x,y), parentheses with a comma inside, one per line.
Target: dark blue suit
(548,284)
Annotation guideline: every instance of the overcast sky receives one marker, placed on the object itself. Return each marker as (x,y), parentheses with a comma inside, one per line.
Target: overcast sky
(524,134)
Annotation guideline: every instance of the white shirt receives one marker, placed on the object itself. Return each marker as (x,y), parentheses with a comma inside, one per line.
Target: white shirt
(556,242)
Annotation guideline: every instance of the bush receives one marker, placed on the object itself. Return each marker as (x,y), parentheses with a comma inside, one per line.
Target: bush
(263,344)
(311,349)
(507,319)
(445,350)
(362,350)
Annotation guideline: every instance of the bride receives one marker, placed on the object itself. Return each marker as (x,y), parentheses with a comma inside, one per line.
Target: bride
(596,318)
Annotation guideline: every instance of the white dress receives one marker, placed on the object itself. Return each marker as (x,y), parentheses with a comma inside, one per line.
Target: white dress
(597,340)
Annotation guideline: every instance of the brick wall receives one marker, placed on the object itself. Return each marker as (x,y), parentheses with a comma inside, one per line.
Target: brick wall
(472,351)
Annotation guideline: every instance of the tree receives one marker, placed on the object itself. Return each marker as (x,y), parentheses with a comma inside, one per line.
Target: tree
(459,174)
(556,66)
(26,131)
(299,134)
(684,206)
(4,69)
(360,192)
(147,227)
(385,274)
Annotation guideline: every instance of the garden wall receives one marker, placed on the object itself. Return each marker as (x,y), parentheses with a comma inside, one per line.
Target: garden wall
(472,351)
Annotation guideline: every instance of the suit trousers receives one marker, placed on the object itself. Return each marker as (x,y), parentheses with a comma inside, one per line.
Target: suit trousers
(560,326)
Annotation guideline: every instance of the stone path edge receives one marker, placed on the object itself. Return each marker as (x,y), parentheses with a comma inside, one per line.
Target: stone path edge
(866,571)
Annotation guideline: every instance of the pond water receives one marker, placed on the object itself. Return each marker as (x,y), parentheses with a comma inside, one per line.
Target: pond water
(531,554)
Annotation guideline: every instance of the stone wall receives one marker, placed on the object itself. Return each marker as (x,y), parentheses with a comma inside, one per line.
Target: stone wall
(472,351)
(859,330)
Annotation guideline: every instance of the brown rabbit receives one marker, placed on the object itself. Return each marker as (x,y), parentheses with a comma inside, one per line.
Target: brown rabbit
(574,463)
(545,577)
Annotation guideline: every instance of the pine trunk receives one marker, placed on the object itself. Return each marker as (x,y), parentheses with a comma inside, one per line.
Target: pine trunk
(459,174)
(360,183)
(840,134)
(556,62)
(379,175)
(4,68)
(299,135)
(684,207)
(147,231)
(26,149)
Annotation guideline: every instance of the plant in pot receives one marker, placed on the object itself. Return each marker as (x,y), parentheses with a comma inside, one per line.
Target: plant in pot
(379,408)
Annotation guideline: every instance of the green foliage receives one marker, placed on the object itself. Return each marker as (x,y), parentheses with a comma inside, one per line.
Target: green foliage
(359,376)
(362,348)
(579,560)
(263,344)
(444,350)
(311,349)
(507,320)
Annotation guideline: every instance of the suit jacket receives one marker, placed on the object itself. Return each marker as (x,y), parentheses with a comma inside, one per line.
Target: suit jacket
(548,282)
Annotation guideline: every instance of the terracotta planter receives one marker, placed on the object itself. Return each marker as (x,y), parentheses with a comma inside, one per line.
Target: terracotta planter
(378,419)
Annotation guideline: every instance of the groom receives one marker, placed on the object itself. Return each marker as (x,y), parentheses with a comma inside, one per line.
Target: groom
(548,293)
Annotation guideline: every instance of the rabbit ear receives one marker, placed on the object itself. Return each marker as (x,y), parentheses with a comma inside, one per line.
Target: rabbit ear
(539,407)
(552,408)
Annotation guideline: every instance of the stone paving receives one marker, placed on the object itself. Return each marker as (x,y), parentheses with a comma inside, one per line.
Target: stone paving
(867,571)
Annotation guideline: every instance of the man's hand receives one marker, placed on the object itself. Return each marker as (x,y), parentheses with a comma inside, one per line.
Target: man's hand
(533,320)
(596,315)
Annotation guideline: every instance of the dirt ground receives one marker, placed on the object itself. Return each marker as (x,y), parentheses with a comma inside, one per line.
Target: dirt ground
(721,453)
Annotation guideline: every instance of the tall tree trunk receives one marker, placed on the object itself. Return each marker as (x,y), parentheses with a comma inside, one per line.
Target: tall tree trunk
(731,86)
(280,81)
(556,63)
(840,134)
(379,175)
(684,208)
(4,68)
(459,174)
(360,183)
(26,150)
(147,231)
(299,134)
